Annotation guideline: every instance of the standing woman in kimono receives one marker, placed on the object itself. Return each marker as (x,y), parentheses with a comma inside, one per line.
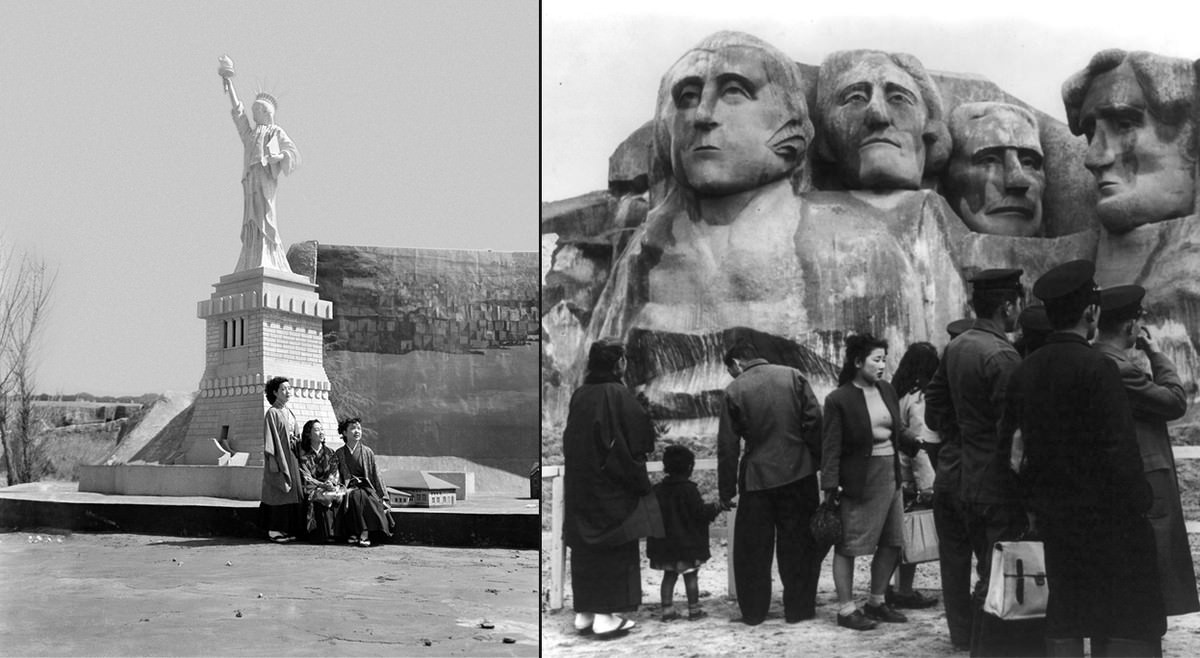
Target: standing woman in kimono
(608,500)
(323,491)
(366,498)
(281,485)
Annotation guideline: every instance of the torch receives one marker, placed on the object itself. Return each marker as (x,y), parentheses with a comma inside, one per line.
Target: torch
(225,70)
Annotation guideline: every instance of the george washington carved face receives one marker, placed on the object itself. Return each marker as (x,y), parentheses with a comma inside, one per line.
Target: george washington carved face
(734,116)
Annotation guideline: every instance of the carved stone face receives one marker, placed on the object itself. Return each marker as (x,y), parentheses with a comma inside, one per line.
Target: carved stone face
(875,125)
(995,180)
(724,121)
(1142,177)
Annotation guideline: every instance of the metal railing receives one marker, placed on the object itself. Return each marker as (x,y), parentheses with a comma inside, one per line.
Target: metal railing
(558,556)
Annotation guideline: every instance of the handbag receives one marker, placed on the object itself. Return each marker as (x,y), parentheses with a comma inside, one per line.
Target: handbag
(826,524)
(920,537)
(1018,587)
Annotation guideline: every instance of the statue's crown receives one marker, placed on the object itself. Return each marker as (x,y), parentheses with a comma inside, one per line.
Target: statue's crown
(264,96)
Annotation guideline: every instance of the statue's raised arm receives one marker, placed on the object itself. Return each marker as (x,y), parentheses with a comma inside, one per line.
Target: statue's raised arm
(267,152)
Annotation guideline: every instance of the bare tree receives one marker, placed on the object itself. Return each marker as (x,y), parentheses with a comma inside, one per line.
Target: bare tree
(25,287)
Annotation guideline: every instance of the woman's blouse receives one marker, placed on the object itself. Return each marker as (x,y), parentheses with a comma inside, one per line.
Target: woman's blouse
(881,423)
(912,414)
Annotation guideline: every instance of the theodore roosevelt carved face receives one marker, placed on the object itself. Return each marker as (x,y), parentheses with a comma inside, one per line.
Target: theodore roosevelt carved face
(995,178)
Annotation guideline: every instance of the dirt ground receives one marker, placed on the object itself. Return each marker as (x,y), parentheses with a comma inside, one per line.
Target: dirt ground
(124,594)
(925,633)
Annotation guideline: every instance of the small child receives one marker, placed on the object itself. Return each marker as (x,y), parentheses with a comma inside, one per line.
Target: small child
(685,519)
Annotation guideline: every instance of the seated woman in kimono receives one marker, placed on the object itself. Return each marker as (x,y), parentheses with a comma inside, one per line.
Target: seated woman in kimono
(324,495)
(366,498)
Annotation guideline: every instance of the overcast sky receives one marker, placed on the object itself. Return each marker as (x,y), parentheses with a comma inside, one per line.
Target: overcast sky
(121,167)
(601,62)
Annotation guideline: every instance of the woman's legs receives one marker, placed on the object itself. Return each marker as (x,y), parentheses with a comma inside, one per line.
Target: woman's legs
(843,581)
(908,572)
(882,566)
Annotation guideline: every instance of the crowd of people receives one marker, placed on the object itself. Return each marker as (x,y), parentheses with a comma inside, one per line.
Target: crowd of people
(312,491)
(1058,436)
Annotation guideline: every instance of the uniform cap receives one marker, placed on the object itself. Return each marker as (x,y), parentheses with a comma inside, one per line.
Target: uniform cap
(1065,280)
(959,326)
(1122,302)
(997,279)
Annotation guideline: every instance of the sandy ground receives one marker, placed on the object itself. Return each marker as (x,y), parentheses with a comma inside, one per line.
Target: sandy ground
(925,633)
(124,594)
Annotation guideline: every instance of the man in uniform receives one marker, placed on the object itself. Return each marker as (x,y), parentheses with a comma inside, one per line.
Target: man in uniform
(954,547)
(1082,472)
(967,392)
(1154,399)
(773,409)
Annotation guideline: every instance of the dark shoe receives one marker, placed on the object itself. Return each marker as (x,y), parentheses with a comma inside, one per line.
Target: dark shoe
(855,621)
(796,619)
(914,601)
(751,621)
(670,616)
(693,615)
(884,613)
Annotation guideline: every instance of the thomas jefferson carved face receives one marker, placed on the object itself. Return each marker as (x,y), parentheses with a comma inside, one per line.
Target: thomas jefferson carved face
(729,125)
(995,180)
(1139,164)
(874,124)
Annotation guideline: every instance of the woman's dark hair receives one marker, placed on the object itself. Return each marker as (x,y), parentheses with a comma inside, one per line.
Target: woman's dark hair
(306,435)
(678,460)
(858,347)
(604,355)
(347,422)
(916,368)
(273,385)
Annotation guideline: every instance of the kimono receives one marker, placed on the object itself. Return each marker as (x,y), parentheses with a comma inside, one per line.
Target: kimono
(282,492)
(324,497)
(366,507)
(606,490)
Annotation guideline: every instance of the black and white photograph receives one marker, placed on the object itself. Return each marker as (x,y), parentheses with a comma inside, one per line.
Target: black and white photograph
(269,328)
(869,329)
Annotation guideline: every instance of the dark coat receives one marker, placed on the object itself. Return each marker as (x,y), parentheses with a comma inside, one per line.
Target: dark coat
(967,391)
(1155,400)
(847,438)
(1085,482)
(685,522)
(605,443)
(773,409)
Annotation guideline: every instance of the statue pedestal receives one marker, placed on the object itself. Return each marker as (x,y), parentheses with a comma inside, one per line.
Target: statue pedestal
(261,323)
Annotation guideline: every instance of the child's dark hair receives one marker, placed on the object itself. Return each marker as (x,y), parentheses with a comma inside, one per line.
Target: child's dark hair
(678,460)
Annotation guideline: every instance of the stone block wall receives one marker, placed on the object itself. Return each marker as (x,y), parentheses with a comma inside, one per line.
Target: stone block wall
(439,348)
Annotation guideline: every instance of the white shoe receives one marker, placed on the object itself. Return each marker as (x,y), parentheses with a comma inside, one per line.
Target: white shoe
(583,621)
(611,624)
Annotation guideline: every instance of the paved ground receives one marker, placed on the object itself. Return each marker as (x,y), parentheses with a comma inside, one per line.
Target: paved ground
(125,594)
(924,635)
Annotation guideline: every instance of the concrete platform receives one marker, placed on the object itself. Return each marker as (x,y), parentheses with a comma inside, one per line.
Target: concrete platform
(483,521)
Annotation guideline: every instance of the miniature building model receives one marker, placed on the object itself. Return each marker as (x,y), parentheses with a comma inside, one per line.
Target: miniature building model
(425,490)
